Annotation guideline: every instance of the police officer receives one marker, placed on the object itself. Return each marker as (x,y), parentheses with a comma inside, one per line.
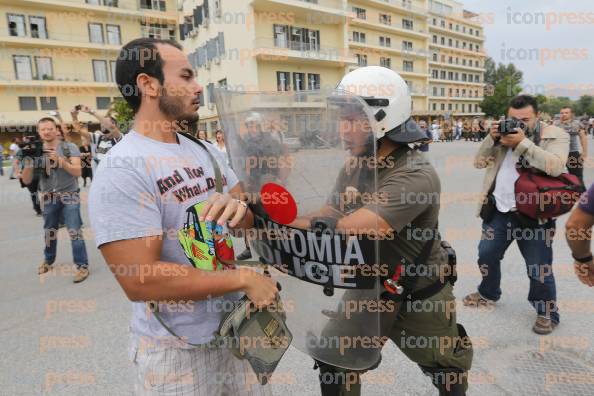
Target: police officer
(423,325)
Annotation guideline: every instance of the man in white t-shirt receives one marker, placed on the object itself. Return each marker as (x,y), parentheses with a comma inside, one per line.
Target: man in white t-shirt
(144,207)
(101,141)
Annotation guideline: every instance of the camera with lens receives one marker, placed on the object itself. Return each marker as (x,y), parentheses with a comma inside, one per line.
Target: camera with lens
(509,126)
(32,146)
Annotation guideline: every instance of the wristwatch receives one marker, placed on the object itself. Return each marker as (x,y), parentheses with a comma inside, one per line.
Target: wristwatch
(583,260)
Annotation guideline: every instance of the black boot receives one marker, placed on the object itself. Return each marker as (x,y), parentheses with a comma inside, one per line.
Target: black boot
(246,254)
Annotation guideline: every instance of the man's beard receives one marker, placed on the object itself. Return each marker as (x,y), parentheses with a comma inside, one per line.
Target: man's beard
(172,107)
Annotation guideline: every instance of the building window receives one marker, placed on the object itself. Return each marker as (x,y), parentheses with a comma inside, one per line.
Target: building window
(96,33)
(463,108)
(408,66)
(48,103)
(443,106)
(434,22)
(361,13)
(434,57)
(281,36)
(361,60)
(113,34)
(442,40)
(299,81)
(450,60)
(442,74)
(450,42)
(464,77)
(470,46)
(158,5)
(27,103)
(102,102)
(477,48)
(44,67)
(210,93)
(434,91)
(157,30)
(476,33)
(16,25)
(442,91)
(471,30)
(449,106)
(442,23)
(434,74)
(112,65)
(313,81)
(407,24)
(100,70)
(282,81)
(434,39)
(409,84)
(457,44)
(477,78)
(385,19)
(434,106)
(407,45)
(386,62)
(38,28)
(359,37)
(476,64)
(385,41)
(22,67)
(450,76)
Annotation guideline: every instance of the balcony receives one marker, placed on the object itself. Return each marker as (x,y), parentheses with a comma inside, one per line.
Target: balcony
(402,7)
(134,8)
(420,53)
(458,33)
(313,11)
(269,49)
(380,27)
(57,41)
(8,77)
(457,66)
(454,82)
(458,98)
(448,50)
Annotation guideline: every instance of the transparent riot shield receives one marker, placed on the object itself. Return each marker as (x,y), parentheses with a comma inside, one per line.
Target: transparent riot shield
(304,159)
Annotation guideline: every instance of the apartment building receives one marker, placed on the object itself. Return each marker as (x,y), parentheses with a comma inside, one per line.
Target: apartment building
(265,45)
(294,45)
(457,60)
(55,54)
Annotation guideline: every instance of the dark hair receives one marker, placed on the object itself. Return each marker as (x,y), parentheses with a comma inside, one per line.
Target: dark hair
(566,107)
(522,101)
(136,57)
(46,119)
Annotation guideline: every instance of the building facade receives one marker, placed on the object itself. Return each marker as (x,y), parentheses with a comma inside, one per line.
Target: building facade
(293,45)
(56,54)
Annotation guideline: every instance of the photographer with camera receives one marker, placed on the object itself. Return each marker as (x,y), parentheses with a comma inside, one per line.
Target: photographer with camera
(578,143)
(101,141)
(520,139)
(57,164)
(28,145)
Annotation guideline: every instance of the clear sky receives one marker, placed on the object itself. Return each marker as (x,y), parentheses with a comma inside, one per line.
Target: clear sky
(551,41)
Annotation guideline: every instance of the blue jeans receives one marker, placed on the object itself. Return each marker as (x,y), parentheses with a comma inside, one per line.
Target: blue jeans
(535,244)
(66,205)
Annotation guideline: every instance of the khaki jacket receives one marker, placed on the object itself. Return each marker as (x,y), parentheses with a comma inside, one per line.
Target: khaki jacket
(550,156)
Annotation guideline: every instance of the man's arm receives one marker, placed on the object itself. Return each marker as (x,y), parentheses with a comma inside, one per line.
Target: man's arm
(27,173)
(486,154)
(79,128)
(552,161)
(70,165)
(104,121)
(578,233)
(584,143)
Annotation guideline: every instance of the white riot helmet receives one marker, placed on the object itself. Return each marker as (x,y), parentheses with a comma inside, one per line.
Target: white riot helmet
(254,117)
(389,102)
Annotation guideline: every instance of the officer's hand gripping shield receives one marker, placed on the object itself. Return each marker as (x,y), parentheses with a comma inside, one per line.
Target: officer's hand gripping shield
(309,158)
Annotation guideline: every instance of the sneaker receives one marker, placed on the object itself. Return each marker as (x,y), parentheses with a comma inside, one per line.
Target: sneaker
(246,254)
(44,267)
(476,300)
(543,325)
(80,275)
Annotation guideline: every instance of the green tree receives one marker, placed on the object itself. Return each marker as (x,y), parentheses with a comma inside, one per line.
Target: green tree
(584,105)
(502,84)
(123,114)
(553,105)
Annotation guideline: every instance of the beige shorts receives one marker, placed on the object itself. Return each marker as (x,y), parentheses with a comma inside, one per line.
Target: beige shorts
(197,371)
